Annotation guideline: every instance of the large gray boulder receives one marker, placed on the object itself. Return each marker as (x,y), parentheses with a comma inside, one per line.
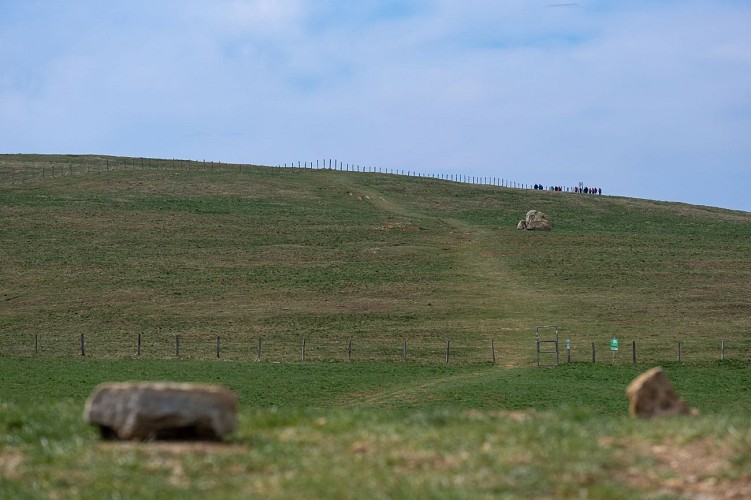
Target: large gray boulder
(146,411)
(535,221)
(652,395)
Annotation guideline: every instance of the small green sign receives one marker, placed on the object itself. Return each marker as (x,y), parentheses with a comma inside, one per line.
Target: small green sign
(613,344)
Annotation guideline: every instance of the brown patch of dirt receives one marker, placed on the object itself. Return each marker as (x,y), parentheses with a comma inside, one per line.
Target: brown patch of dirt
(361,448)
(10,464)
(699,469)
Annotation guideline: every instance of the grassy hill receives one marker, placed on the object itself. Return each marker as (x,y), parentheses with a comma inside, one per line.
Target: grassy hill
(242,252)
(116,247)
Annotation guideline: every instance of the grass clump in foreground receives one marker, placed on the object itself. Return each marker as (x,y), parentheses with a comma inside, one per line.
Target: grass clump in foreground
(385,429)
(339,453)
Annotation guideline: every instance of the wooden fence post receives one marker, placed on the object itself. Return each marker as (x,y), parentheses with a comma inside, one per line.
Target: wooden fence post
(177,346)
(593,352)
(349,350)
(722,350)
(448,348)
(217,347)
(302,352)
(678,352)
(138,349)
(404,350)
(36,343)
(83,346)
(633,351)
(492,349)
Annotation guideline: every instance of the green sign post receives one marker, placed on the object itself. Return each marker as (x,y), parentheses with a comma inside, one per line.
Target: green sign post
(613,347)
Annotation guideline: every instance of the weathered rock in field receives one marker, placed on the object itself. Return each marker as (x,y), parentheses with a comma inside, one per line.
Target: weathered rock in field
(535,221)
(652,395)
(146,411)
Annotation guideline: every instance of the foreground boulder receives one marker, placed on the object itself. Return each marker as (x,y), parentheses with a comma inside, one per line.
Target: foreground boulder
(652,395)
(146,411)
(535,221)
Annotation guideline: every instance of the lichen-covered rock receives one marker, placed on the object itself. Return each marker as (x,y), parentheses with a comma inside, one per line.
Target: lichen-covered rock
(652,395)
(535,221)
(145,411)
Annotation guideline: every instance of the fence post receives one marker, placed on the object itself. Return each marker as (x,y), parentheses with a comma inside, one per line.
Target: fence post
(217,347)
(302,352)
(83,346)
(722,350)
(633,351)
(678,352)
(404,350)
(492,348)
(593,352)
(448,348)
(36,343)
(138,349)
(349,350)
(258,352)
(177,346)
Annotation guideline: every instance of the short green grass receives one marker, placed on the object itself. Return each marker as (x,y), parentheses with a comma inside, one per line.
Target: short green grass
(715,387)
(246,252)
(116,247)
(381,429)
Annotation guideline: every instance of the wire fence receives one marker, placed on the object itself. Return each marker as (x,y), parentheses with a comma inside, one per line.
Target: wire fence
(20,169)
(15,169)
(310,349)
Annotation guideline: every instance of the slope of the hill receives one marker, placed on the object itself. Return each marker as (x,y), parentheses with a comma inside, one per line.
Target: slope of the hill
(113,247)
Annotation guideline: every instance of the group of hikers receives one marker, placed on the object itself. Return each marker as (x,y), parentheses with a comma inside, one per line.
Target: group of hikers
(588,190)
(575,189)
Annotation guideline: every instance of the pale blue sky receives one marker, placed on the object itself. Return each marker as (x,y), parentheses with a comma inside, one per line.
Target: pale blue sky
(650,99)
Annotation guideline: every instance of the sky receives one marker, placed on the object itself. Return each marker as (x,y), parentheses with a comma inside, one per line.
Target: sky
(643,98)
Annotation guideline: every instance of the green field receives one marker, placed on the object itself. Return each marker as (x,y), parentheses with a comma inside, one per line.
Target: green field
(114,248)
(347,430)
